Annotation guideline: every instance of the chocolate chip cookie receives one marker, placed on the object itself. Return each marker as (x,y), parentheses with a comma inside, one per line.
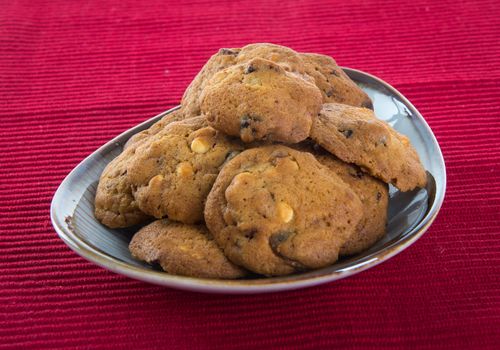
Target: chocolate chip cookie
(275,210)
(334,84)
(259,100)
(115,205)
(374,196)
(173,172)
(180,249)
(356,136)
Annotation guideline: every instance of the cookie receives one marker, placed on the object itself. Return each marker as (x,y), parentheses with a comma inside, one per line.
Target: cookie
(356,136)
(259,100)
(190,103)
(173,173)
(334,84)
(374,196)
(275,210)
(115,205)
(180,249)
(153,129)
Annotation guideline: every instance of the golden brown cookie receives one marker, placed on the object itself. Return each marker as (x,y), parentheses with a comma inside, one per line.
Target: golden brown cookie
(154,129)
(275,210)
(334,84)
(174,171)
(374,196)
(356,136)
(180,249)
(190,104)
(115,205)
(259,100)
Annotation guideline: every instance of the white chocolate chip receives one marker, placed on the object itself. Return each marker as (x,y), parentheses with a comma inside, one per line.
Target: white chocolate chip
(200,145)
(285,212)
(184,169)
(156,182)
(295,165)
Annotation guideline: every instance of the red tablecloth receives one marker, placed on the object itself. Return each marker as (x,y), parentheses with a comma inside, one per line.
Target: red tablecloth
(73,74)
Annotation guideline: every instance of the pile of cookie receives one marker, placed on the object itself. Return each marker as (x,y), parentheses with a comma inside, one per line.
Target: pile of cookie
(274,164)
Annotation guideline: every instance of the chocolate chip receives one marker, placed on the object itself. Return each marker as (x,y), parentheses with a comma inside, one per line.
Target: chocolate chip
(244,122)
(247,120)
(367,104)
(347,133)
(358,174)
(250,69)
(251,234)
(228,52)
(231,155)
(379,195)
(276,239)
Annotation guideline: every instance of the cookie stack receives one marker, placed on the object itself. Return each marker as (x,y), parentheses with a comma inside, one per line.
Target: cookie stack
(274,164)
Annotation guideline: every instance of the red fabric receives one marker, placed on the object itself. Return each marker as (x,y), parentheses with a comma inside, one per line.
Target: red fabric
(73,74)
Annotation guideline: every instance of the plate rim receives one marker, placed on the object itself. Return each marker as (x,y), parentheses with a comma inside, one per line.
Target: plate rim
(245,286)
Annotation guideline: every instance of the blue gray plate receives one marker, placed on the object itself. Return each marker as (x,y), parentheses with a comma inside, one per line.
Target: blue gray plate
(410,213)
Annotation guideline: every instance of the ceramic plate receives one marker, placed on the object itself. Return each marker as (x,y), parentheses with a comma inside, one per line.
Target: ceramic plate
(410,213)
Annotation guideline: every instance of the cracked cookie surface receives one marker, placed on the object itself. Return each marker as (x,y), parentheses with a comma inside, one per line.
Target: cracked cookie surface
(180,249)
(275,210)
(355,135)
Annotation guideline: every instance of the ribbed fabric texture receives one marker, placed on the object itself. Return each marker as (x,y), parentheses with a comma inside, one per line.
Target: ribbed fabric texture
(74,74)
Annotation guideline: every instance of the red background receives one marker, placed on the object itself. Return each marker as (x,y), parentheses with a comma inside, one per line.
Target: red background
(74,74)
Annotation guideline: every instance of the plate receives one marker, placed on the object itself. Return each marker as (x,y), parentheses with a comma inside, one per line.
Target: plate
(410,213)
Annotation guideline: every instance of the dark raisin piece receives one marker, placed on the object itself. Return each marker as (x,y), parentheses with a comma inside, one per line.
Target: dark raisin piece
(250,69)
(228,52)
(231,155)
(347,133)
(358,174)
(379,195)
(250,234)
(329,93)
(276,239)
